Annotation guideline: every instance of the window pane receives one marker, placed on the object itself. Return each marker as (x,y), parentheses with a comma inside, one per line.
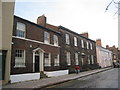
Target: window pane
(20,32)
(91,46)
(47,59)
(76,58)
(46,37)
(87,45)
(88,59)
(67,39)
(56,60)
(75,41)
(46,55)
(68,58)
(82,42)
(20,26)
(55,38)
(20,58)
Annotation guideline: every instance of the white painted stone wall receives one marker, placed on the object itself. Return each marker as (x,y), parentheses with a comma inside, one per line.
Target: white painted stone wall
(24,77)
(104,56)
(56,73)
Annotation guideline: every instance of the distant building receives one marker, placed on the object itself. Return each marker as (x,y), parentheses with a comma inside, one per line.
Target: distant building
(115,51)
(104,56)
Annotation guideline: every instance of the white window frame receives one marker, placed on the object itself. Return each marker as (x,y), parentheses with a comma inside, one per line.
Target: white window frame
(76,59)
(75,41)
(67,39)
(68,58)
(55,40)
(47,60)
(92,59)
(91,46)
(82,43)
(46,37)
(88,59)
(20,61)
(87,45)
(56,61)
(21,28)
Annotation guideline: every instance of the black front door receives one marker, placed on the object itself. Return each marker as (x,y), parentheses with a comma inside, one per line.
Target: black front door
(36,63)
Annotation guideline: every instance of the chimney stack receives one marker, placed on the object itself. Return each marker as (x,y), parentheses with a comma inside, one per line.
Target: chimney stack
(85,34)
(98,42)
(114,46)
(107,46)
(41,20)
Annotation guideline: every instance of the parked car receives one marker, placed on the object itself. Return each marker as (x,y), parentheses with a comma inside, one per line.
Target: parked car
(116,64)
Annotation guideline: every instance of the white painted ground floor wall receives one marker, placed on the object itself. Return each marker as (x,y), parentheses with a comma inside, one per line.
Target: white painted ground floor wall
(56,73)
(24,77)
(35,76)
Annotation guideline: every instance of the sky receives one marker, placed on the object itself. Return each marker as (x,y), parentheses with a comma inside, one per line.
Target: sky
(77,15)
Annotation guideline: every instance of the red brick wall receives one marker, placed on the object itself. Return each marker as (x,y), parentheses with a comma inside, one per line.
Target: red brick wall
(33,32)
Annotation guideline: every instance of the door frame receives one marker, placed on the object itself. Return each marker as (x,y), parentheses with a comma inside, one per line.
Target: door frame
(41,56)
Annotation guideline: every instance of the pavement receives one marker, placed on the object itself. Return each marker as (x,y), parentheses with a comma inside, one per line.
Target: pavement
(42,83)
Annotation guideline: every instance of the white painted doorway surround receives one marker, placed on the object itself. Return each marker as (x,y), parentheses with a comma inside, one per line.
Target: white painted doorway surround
(41,58)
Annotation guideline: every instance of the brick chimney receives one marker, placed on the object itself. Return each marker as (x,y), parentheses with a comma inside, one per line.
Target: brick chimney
(98,42)
(114,46)
(41,20)
(85,34)
(107,46)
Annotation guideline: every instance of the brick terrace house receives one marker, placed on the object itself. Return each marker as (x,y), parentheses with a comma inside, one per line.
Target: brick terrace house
(77,49)
(34,48)
(44,47)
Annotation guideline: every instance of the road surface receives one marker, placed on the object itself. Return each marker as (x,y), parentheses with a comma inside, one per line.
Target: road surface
(106,79)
